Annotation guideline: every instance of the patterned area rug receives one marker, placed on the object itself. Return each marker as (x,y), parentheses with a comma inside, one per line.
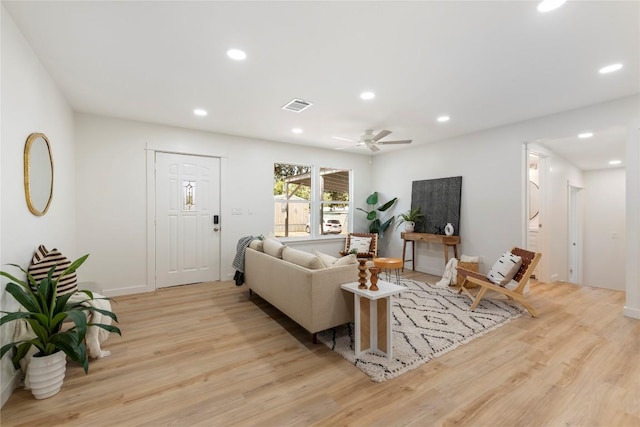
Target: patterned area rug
(428,321)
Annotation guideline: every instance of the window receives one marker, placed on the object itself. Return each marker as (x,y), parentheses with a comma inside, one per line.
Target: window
(311,201)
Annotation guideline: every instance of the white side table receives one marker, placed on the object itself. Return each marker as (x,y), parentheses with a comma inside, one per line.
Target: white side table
(373,320)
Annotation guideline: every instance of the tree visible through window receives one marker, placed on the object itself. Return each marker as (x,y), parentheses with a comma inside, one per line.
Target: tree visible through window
(300,191)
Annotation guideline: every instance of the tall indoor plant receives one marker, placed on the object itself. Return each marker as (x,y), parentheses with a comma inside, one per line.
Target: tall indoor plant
(45,311)
(377,225)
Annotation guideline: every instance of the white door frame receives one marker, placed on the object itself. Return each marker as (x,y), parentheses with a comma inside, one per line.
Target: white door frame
(542,270)
(575,227)
(151,209)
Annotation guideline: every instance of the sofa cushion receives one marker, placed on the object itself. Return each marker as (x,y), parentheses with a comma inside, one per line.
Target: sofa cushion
(301,258)
(327,260)
(257,245)
(272,247)
(346,260)
(504,269)
(330,261)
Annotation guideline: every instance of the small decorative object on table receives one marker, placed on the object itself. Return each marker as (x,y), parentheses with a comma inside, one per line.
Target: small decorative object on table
(374,278)
(448,229)
(362,273)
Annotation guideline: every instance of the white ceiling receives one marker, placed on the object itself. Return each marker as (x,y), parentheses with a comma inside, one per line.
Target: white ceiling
(485,64)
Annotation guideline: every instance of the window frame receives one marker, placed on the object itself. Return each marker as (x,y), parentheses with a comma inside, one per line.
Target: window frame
(316,203)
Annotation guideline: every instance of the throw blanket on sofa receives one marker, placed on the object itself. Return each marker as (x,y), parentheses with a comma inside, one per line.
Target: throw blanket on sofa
(238,261)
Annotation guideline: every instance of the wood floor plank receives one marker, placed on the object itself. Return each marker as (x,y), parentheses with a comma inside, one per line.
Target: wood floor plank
(209,355)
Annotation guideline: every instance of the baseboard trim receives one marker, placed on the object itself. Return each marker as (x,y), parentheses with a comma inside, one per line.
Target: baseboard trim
(631,312)
(10,386)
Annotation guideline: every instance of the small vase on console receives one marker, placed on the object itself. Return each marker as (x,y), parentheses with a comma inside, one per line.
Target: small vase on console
(374,278)
(362,273)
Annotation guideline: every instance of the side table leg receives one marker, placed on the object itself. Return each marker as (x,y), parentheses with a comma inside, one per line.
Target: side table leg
(363,329)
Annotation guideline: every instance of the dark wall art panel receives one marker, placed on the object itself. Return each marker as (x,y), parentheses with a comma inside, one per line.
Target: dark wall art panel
(439,200)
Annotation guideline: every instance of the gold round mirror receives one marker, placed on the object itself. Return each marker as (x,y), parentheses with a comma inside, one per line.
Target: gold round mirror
(38,173)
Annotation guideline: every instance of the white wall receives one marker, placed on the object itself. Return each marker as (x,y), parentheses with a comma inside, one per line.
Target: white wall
(605,241)
(492,164)
(31,102)
(555,260)
(112,181)
(490,216)
(632,304)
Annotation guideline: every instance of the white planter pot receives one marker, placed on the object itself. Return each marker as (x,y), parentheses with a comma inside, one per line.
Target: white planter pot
(409,226)
(45,374)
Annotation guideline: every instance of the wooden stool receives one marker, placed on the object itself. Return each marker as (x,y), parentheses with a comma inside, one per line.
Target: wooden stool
(389,264)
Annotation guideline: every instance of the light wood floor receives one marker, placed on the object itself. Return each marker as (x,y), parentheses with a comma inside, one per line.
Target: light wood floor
(207,355)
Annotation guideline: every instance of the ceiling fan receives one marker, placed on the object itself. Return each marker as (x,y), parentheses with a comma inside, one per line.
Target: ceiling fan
(372,141)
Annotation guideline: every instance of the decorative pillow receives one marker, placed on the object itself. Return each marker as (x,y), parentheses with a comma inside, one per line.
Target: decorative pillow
(42,262)
(361,244)
(504,269)
(256,244)
(301,258)
(346,260)
(272,247)
(326,260)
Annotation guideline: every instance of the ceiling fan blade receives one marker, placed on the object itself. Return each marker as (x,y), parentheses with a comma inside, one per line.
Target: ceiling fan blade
(402,141)
(380,135)
(373,148)
(339,138)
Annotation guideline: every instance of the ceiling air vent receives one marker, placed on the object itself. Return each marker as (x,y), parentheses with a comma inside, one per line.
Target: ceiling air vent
(296,105)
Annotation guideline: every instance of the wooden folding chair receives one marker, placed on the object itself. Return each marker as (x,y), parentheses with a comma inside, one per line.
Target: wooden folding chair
(529,262)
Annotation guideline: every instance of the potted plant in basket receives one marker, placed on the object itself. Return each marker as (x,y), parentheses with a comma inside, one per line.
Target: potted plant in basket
(409,219)
(44,311)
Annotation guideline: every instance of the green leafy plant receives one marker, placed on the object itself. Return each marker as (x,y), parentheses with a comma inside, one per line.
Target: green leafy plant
(376,225)
(45,313)
(412,215)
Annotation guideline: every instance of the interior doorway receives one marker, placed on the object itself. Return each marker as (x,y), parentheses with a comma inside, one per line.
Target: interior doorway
(187,219)
(575,222)
(536,233)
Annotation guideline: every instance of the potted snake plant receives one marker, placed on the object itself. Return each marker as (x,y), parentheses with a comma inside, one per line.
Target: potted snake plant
(44,311)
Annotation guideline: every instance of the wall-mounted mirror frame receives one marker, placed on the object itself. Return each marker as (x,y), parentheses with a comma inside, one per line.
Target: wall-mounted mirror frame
(38,173)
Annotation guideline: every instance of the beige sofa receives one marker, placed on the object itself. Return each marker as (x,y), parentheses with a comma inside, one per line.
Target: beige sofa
(302,288)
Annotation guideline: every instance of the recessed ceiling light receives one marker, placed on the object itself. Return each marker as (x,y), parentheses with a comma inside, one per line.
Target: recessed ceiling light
(610,68)
(585,135)
(549,5)
(296,130)
(615,162)
(199,112)
(367,95)
(443,119)
(236,54)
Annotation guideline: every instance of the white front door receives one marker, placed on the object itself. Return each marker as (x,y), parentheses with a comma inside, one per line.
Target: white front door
(187,219)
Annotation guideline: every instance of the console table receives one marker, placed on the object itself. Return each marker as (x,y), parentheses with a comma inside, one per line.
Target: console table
(447,241)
